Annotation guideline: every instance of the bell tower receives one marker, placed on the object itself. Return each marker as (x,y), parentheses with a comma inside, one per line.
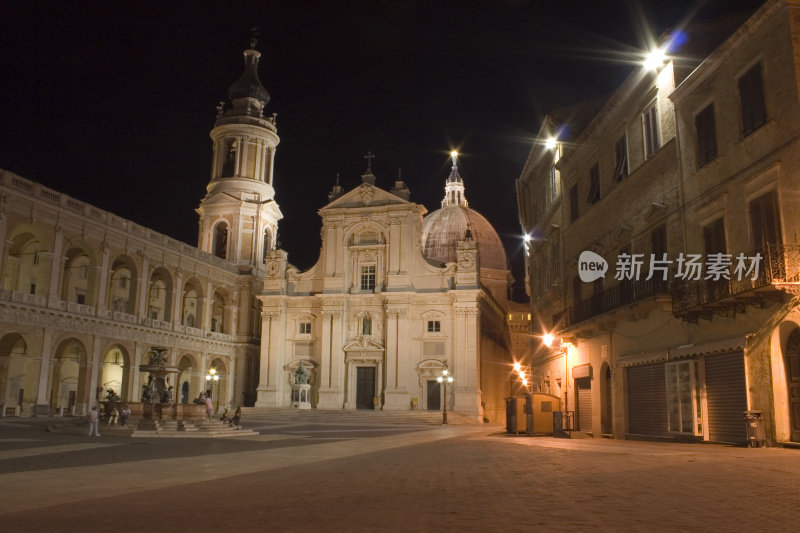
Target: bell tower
(238,215)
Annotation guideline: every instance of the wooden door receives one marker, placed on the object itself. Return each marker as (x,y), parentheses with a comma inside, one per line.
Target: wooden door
(434,395)
(365,387)
(792,362)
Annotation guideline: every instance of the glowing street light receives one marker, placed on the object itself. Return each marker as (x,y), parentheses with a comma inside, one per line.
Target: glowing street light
(654,59)
(550,143)
(445,378)
(548,339)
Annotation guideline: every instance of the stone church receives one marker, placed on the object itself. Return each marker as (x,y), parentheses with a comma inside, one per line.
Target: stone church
(394,299)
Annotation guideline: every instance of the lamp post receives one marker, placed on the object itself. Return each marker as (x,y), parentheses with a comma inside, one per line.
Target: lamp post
(445,378)
(212,378)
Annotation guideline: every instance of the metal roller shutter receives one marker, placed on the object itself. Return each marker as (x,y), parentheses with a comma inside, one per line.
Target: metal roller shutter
(727,397)
(647,400)
(584,390)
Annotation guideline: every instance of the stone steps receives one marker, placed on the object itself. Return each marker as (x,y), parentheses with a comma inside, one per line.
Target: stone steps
(355,416)
(192,429)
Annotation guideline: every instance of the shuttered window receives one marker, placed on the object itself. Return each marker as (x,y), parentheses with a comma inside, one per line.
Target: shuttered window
(621,159)
(573,203)
(594,184)
(765,222)
(651,139)
(706,131)
(751,99)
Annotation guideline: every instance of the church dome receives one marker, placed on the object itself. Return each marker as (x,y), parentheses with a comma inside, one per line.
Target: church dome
(442,229)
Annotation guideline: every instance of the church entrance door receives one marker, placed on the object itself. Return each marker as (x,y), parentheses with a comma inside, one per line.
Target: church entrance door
(434,396)
(365,387)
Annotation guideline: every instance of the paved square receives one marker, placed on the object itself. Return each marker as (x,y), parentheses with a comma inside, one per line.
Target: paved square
(348,472)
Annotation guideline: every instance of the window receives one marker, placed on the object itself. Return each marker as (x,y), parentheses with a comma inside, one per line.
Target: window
(434,326)
(33,286)
(658,239)
(651,141)
(683,398)
(368,277)
(81,298)
(751,99)
(553,184)
(123,282)
(304,328)
(555,253)
(714,237)
(35,258)
(366,326)
(765,223)
(573,202)
(706,136)
(594,184)
(621,159)
(84,272)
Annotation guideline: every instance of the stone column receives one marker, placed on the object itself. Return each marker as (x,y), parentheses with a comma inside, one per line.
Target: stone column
(465,371)
(271,348)
(102,289)
(141,303)
(177,299)
(396,391)
(231,374)
(56,269)
(95,370)
(42,391)
(331,363)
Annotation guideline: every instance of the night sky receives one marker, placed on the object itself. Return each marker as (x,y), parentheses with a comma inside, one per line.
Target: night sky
(113,104)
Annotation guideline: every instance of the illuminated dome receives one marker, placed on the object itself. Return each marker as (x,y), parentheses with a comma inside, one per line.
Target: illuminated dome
(442,229)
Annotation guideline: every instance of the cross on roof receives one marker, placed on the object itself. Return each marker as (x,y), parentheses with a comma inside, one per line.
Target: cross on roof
(369,157)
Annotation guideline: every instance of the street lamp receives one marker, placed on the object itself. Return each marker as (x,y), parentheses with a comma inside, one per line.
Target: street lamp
(445,378)
(212,378)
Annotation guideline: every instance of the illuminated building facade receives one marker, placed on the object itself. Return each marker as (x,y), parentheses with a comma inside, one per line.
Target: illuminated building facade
(681,161)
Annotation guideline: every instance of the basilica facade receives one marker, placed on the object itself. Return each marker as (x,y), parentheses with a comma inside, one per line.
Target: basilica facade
(394,299)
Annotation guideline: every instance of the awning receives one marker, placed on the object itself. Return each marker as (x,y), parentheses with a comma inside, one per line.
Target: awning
(707,348)
(643,358)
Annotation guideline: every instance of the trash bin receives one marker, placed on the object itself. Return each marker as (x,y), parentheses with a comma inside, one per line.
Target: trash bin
(756,438)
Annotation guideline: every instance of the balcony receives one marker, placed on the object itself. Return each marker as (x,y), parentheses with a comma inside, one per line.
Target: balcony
(779,272)
(621,295)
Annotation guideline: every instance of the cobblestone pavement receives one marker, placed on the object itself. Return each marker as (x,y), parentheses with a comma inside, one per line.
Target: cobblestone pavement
(467,478)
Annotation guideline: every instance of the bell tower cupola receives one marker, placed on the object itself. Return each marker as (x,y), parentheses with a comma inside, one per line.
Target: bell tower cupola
(239,216)
(454,186)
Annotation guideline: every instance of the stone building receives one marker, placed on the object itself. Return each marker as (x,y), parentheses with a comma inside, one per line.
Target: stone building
(684,182)
(85,294)
(393,300)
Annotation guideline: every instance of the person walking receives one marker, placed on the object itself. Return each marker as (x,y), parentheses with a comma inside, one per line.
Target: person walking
(209,405)
(124,413)
(94,421)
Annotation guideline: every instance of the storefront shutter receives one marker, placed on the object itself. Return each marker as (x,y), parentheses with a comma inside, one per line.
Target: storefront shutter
(727,397)
(647,400)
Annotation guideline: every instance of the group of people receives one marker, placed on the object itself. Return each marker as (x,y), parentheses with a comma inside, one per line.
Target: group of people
(115,414)
(233,421)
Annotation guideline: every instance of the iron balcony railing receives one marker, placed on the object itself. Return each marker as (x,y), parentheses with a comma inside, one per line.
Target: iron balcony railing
(780,264)
(624,293)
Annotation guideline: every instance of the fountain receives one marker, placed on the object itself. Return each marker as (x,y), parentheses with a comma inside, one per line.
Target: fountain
(156,394)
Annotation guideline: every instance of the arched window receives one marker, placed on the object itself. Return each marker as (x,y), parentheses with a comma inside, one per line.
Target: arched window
(220,246)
